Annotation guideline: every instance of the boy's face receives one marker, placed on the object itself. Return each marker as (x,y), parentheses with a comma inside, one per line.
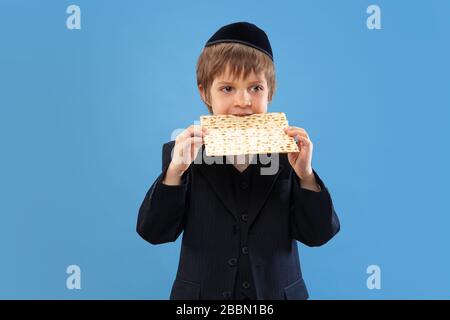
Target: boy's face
(238,96)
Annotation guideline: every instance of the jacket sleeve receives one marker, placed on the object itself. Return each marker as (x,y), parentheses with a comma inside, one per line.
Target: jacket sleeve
(313,218)
(161,214)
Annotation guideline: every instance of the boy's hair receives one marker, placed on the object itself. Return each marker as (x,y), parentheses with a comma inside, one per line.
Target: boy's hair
(241,59)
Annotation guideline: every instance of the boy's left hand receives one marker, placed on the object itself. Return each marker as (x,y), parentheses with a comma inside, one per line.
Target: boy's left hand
(301,161)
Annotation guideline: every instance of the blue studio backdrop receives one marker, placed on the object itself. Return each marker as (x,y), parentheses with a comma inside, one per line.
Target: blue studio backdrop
(84,113)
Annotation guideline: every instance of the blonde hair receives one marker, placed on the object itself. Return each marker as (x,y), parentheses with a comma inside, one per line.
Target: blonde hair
(239,58)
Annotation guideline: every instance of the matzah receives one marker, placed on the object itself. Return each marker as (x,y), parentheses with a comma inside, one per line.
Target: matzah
(254,134)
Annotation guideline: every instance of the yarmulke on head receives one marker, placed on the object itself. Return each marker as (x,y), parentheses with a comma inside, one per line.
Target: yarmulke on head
(245,33)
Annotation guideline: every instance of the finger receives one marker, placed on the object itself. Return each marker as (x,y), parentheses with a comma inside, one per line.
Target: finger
(192,141)
(196,128)
(290,128)
(192,131)
(287,129)
(294,132)
(304,142)
(195,131)
(297,133)
(196,145)
(195,150)
(188,147)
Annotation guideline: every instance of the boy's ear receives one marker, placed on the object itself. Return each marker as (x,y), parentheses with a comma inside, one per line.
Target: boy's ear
(201,90)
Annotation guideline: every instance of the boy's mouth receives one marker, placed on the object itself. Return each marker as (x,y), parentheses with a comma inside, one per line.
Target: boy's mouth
(242,114)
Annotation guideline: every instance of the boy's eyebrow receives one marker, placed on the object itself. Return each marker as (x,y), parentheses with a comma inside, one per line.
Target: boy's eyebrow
(226,82)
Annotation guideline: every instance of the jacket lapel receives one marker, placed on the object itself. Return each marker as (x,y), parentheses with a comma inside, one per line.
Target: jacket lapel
(217,176)
(261,187)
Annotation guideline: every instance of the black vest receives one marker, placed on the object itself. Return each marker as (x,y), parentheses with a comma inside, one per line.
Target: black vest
(244,287)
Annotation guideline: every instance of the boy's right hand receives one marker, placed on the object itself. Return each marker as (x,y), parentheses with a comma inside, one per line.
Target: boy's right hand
(187,145)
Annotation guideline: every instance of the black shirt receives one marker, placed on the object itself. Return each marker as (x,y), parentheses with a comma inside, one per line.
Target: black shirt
(241,185)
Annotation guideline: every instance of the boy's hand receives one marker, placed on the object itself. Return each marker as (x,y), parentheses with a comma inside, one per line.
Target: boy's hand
(301,161)
(187,145)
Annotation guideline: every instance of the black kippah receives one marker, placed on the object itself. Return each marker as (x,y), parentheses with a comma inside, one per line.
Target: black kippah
(244,33)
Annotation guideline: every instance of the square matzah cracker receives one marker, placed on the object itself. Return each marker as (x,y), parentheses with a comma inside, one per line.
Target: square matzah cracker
(257,133)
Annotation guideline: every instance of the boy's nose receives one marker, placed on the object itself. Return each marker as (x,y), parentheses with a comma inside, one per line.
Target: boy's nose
(243,100)
(243,104)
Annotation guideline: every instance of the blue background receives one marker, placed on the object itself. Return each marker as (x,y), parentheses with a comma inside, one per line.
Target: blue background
(84,114)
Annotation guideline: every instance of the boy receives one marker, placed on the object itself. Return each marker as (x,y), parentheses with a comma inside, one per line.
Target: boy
(239,226)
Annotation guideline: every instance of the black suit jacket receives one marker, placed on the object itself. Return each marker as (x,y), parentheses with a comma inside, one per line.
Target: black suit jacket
(202,207)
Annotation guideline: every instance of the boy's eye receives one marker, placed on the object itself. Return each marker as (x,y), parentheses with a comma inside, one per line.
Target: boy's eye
(227,89)
(257,88)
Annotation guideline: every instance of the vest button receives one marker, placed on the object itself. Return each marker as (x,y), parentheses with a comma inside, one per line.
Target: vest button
(232,261)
